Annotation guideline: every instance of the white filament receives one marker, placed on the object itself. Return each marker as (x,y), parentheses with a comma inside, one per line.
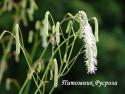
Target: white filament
(17,39)
(90,49)
(55,74)
(57,33)
(90,42)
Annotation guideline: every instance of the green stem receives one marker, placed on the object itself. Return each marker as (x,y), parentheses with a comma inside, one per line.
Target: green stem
(47,68)
(24,84)
(51,91)
(73,60)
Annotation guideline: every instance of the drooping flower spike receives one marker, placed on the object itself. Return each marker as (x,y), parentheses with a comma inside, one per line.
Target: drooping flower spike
(89,41)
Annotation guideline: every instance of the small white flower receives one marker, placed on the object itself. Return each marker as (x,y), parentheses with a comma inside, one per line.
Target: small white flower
(57,33)
(90,42)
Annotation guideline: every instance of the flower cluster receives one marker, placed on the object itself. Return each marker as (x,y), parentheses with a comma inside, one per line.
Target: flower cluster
(90,42)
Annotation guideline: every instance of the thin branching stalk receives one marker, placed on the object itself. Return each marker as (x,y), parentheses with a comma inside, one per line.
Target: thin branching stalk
(53,36)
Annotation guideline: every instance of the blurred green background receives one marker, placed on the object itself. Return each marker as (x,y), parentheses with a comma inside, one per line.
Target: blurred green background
(111,47)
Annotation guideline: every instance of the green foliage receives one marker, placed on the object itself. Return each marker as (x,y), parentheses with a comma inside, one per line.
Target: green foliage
(111,45)
(54,40)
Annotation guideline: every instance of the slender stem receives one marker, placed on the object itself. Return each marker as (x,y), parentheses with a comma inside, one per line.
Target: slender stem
(27,88)
(75,37)
(47,68)
(65,53)
(69,56)
(28,64)
(24,84)
(5,56)
(43,52)
(52,89)
(71,62)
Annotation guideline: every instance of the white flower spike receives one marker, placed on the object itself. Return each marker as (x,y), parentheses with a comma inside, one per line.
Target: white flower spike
(90,42)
